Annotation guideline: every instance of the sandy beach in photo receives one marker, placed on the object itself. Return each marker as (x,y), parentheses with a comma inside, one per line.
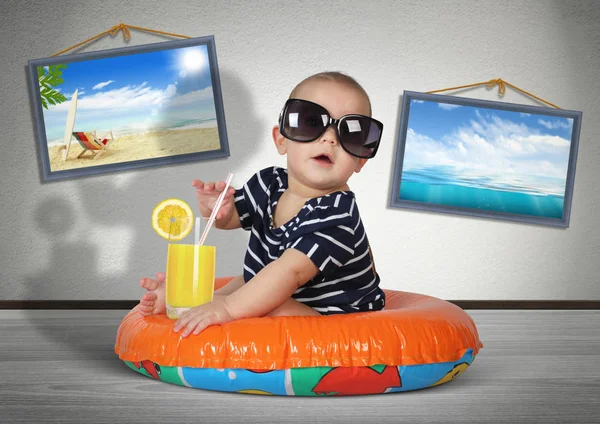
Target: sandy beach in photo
(132,147)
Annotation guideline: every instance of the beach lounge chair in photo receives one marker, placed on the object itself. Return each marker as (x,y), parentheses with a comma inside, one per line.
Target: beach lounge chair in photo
(88,140)
(91,142)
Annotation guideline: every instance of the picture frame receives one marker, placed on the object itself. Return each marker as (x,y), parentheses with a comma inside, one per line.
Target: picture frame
(486,159)
(128,108)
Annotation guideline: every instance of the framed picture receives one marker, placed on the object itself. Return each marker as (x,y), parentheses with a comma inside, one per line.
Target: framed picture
(130,107)
(486,159)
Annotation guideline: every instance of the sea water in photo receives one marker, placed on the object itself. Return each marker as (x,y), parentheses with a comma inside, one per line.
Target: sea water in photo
(486,159)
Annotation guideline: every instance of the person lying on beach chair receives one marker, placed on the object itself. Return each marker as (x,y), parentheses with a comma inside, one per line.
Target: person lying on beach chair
(90,141)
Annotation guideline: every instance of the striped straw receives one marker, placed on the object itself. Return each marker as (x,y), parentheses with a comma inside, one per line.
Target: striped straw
(213,214)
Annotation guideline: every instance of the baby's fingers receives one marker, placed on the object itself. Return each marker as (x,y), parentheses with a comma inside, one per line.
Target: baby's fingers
(198,184)
(228,194)
(221,185)
(225,208)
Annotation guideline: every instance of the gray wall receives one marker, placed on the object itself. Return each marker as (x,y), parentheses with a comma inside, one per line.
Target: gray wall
(90,238)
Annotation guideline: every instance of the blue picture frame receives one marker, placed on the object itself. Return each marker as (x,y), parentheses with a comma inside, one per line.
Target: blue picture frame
(165,99)
(487,159)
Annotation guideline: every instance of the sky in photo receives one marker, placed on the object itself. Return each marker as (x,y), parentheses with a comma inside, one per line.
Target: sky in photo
(135,93)
(495,147)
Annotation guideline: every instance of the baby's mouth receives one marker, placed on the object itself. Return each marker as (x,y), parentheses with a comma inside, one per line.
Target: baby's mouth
(324,158)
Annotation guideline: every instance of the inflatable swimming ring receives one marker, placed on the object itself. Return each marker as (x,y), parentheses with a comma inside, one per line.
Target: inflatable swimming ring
(417,341)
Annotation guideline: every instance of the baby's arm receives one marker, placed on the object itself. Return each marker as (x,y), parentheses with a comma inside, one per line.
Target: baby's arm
(264,293)
(229,224)
(272,286)
(234,284)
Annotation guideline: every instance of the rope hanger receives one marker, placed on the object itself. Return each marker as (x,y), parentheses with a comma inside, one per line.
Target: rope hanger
(501,89)
(126,33)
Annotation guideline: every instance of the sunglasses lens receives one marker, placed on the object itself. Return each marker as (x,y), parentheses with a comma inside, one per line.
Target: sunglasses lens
(304,121)
(359,135)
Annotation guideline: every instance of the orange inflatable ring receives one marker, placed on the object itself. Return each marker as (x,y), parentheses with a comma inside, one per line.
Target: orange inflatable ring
(417,341)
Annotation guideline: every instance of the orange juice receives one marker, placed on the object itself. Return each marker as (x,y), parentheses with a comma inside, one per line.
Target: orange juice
(186,288)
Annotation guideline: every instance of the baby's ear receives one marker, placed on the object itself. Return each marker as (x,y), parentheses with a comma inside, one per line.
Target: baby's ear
(279,140)
(361,162)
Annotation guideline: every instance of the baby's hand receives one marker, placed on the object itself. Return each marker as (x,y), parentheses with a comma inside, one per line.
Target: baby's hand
(197,319)
(208,193)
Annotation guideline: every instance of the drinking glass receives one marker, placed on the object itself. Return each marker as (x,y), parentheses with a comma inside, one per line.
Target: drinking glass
(190,276)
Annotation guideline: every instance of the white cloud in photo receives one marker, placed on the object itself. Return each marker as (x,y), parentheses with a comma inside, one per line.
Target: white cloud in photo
(101,85)
(556,124)
(70,95)
(192,97)
(492,147)
(135,97)
(447,106)
(133,109)
(524,114)
(492,126)
(127,98)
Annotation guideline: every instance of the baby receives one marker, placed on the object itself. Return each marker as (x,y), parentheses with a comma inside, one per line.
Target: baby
(308,252)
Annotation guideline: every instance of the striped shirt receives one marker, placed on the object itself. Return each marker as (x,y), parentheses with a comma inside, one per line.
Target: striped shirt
(327,229)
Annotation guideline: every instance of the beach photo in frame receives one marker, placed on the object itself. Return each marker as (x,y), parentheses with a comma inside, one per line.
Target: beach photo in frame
(485,159)
(131,107)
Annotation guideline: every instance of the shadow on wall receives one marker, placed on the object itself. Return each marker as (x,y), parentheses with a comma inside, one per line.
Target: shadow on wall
(117,204)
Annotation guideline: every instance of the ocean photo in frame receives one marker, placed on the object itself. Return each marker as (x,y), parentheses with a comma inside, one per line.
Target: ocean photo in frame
(486,159)
(131,107)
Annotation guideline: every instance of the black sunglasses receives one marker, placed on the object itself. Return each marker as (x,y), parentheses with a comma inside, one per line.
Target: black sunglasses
(305,121)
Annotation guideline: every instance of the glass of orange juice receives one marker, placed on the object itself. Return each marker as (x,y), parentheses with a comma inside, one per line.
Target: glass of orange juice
(190,278)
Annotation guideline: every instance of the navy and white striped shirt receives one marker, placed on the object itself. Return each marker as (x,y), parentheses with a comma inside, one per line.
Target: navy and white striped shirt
(327,229)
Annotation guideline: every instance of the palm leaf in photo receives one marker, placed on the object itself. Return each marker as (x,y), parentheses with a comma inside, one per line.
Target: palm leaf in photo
(49,78)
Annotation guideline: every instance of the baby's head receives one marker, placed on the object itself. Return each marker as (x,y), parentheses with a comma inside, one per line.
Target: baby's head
(344,80)
(309,134)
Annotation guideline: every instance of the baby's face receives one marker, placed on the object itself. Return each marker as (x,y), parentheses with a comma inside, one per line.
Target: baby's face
(323,164)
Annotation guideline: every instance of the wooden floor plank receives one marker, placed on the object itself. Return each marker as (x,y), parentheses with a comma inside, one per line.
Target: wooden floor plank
(536,366)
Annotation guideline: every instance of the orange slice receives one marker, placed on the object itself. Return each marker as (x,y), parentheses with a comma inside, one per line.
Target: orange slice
(173,219)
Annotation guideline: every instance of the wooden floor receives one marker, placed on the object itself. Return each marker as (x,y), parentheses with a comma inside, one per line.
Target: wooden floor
(536,367)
